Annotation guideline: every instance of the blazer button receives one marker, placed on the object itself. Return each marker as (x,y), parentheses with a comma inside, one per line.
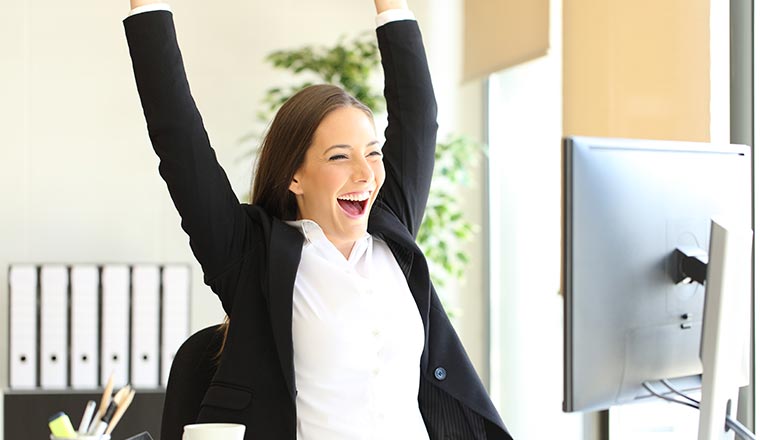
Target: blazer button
(440,373)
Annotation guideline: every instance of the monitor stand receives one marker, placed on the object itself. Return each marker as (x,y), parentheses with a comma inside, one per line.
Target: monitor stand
(726,326)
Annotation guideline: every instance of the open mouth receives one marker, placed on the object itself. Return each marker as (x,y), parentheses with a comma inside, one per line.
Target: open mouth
(354,204)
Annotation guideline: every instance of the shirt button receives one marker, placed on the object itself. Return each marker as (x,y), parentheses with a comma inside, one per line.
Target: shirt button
(375,371)
(440,373)
(375,332)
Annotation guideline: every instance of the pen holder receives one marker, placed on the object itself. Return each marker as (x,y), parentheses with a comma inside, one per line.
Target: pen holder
(83,437)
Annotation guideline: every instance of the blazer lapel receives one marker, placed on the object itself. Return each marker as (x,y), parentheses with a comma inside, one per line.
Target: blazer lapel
(409,257)
(285,246)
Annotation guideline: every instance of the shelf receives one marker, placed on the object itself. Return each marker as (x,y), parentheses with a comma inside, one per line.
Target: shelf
(26,413)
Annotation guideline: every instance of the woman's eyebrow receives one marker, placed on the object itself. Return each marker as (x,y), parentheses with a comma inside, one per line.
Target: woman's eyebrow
(349,147)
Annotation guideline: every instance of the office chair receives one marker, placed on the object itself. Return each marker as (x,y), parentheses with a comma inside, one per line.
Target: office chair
(189,377)
(195,363)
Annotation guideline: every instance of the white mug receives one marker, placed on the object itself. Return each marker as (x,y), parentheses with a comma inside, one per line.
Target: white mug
(214,431)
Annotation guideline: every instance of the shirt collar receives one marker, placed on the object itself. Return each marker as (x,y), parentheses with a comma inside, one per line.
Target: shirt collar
(309,228)
(313,234)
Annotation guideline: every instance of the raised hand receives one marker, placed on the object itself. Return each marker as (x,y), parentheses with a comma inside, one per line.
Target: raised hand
(136,3)
(384,5)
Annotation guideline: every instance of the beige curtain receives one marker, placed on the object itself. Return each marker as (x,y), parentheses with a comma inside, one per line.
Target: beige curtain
(502,33)
(637,69)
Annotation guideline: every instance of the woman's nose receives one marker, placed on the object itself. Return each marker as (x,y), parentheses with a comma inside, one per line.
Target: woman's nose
(363,171)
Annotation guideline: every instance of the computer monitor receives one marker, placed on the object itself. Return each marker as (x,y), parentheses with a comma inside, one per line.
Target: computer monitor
(627,205)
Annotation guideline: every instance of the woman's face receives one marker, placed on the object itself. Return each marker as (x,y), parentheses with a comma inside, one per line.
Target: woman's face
(341,176)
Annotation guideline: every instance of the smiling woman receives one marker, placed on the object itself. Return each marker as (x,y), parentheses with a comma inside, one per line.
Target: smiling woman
(321,148)
(335,330)
(337,183)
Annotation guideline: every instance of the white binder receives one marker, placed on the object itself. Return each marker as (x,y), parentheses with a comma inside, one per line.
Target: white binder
(145,326)
(175,314)
(84,327)
(23,327)
(114,324)
(54,314)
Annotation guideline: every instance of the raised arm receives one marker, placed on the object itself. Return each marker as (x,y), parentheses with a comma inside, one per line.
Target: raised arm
(409,150)
(137,3)
(384,5)
(211,214)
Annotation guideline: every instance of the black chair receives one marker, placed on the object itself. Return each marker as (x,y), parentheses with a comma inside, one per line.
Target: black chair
(192,369)
(195,363)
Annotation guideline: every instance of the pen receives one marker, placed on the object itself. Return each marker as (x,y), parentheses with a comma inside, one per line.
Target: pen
(89,411)
(103,402)
(60,426)
(120,412)
(102,425)
(113,404)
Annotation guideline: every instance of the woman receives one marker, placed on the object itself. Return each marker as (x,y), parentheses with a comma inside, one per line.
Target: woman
(335,331)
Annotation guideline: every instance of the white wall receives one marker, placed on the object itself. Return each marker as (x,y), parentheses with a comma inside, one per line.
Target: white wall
(78,176)
(525,130)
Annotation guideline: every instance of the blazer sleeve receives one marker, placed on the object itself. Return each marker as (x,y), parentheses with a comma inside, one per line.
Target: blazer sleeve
(211,213)
(409,150)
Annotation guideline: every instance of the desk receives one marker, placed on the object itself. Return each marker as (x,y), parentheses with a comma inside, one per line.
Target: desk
(26,413)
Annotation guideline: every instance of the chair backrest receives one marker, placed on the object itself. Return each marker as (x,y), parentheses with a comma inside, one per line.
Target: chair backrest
(191,372)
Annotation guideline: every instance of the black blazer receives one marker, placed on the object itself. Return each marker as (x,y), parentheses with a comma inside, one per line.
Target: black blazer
(250,259)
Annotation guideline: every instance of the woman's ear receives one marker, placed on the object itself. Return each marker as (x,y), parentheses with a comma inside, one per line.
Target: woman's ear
(295,186)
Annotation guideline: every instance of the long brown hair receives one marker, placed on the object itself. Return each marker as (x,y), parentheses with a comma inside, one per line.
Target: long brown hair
(285,144)
(283,151)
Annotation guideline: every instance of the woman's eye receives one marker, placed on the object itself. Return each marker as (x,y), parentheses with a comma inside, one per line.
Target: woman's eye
(376,153)
(338,157)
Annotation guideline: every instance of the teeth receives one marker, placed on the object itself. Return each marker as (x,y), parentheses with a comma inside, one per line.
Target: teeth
(356,197)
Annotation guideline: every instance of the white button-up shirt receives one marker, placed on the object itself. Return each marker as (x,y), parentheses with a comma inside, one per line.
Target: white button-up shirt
(357,339)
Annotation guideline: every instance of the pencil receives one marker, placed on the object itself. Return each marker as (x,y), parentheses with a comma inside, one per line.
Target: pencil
(122,394)
(120,412)
(104,401)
